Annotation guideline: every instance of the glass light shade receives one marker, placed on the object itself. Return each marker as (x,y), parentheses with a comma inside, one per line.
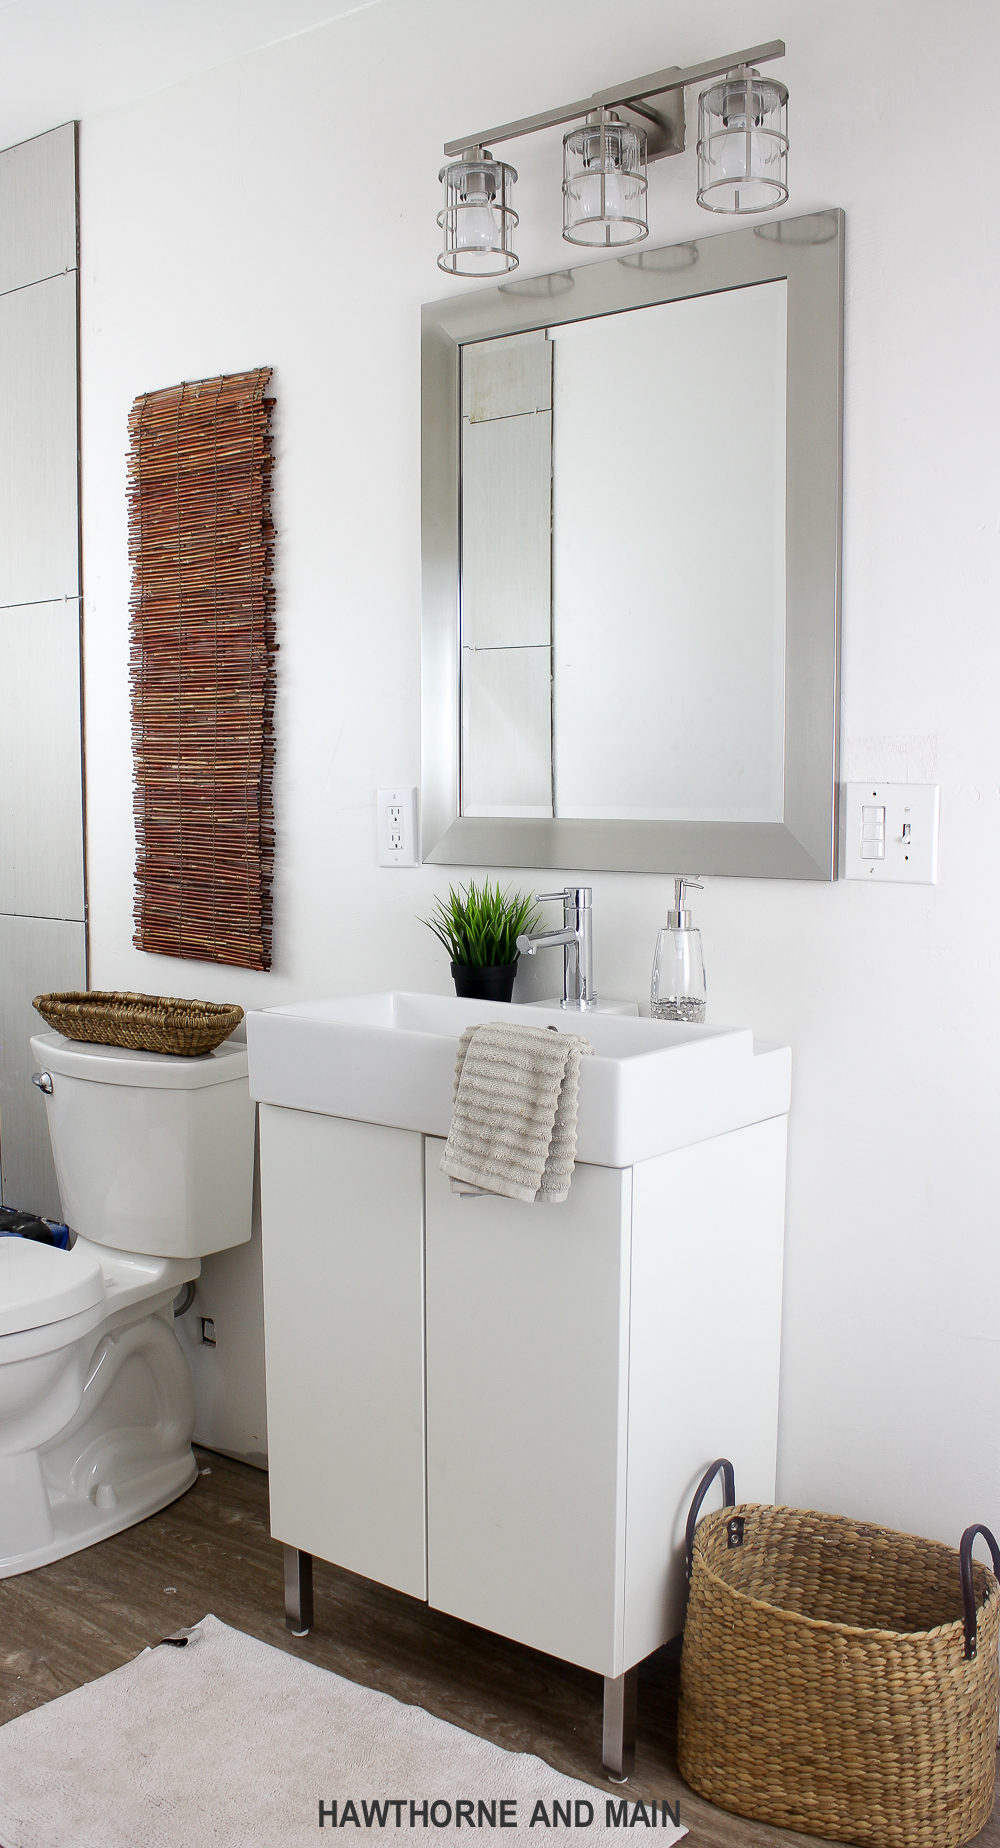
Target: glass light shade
(604,183)
(477,217)
(743,144)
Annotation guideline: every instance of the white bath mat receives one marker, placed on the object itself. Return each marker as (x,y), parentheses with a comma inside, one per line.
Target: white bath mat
(228,1743)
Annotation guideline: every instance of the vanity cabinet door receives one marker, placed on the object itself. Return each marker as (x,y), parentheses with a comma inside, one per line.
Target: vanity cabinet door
(527,1358)
(342,1211)
(704,1350)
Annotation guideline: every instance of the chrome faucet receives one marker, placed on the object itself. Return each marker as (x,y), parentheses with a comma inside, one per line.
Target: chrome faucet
(577,940)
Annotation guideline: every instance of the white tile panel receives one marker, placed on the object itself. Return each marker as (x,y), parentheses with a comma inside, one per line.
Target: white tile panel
(507,531)
(37,955)
(39,519)
(506,731)
(38,208)
(41,796)
(507,378)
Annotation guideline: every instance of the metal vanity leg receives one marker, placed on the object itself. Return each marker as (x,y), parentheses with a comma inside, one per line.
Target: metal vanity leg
(298,1591)
(618,1756)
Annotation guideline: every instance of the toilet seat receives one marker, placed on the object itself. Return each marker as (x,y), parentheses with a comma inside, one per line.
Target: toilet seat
(40,1285)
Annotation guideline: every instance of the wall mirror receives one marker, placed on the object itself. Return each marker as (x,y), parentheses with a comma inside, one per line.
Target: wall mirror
(631,533)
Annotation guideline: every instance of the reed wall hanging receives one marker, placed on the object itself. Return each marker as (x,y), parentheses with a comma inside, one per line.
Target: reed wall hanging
(202,669)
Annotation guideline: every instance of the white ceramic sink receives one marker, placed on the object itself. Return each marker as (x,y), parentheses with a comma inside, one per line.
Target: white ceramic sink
(652,1085)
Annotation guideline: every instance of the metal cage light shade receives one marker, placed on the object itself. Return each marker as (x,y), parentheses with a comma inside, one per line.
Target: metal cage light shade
(604,182)
(743,144)
(477,217)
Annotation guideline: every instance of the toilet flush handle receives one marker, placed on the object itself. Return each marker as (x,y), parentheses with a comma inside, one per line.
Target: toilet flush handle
(43,1081)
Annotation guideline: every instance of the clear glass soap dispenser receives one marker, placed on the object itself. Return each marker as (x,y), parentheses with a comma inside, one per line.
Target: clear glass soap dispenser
(678,986)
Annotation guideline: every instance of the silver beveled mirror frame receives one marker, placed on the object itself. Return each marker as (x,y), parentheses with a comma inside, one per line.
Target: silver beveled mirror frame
(808,253)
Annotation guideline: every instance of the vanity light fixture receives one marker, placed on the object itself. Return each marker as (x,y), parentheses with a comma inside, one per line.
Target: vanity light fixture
(477,217)
(743,144)
(742,159)
(604,181)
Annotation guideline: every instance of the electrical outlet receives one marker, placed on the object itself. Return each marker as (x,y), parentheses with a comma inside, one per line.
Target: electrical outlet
(397,827)
(892,832)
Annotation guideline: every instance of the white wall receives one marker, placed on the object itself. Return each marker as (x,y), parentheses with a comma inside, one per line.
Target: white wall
(281,210)
(230,1401)
(66,61)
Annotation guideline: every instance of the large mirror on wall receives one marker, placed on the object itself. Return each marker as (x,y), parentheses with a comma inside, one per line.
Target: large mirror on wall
(631,534)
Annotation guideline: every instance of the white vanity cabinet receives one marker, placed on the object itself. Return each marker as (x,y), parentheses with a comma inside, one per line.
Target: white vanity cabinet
(502,1408)
(505,1408)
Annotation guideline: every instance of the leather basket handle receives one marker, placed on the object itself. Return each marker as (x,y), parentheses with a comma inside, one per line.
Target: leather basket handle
(728,1501)
(968,1594)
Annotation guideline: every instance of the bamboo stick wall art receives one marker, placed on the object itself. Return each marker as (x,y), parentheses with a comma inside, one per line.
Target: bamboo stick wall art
(202,669)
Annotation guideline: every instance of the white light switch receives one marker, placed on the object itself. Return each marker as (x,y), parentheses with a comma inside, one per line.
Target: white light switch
(891,832)
(397,827)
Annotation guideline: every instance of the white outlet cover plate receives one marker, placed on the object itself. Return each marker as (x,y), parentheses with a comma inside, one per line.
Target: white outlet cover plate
(908,860)
(397,827)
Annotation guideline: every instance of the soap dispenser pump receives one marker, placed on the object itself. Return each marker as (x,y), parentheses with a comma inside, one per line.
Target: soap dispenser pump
(678,986)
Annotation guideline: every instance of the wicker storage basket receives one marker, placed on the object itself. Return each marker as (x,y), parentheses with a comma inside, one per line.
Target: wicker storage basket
(838,1678)
(146,1023)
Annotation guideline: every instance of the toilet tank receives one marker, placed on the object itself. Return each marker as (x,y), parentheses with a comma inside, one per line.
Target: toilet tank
(153,1153)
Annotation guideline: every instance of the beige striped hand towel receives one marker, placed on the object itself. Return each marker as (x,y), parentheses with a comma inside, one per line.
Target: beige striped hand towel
(513,1119)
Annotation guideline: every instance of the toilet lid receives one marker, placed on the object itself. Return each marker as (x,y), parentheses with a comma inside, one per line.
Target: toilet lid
(39,1284)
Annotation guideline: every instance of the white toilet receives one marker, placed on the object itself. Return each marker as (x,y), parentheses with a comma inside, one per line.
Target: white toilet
(154,1159)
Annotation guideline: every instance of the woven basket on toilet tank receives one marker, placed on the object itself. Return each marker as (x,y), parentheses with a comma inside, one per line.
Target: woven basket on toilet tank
(838,1678)
(143,1023)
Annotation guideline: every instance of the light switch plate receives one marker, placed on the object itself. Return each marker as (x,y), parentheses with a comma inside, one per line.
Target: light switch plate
(397,827)
(909,838)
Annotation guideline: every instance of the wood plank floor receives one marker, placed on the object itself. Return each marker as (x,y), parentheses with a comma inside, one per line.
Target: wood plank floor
(212,1551)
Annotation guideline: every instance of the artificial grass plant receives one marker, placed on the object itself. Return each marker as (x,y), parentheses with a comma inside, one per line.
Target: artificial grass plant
(480,926)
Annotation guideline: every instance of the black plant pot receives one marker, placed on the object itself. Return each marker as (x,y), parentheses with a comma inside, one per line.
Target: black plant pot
(491,983)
